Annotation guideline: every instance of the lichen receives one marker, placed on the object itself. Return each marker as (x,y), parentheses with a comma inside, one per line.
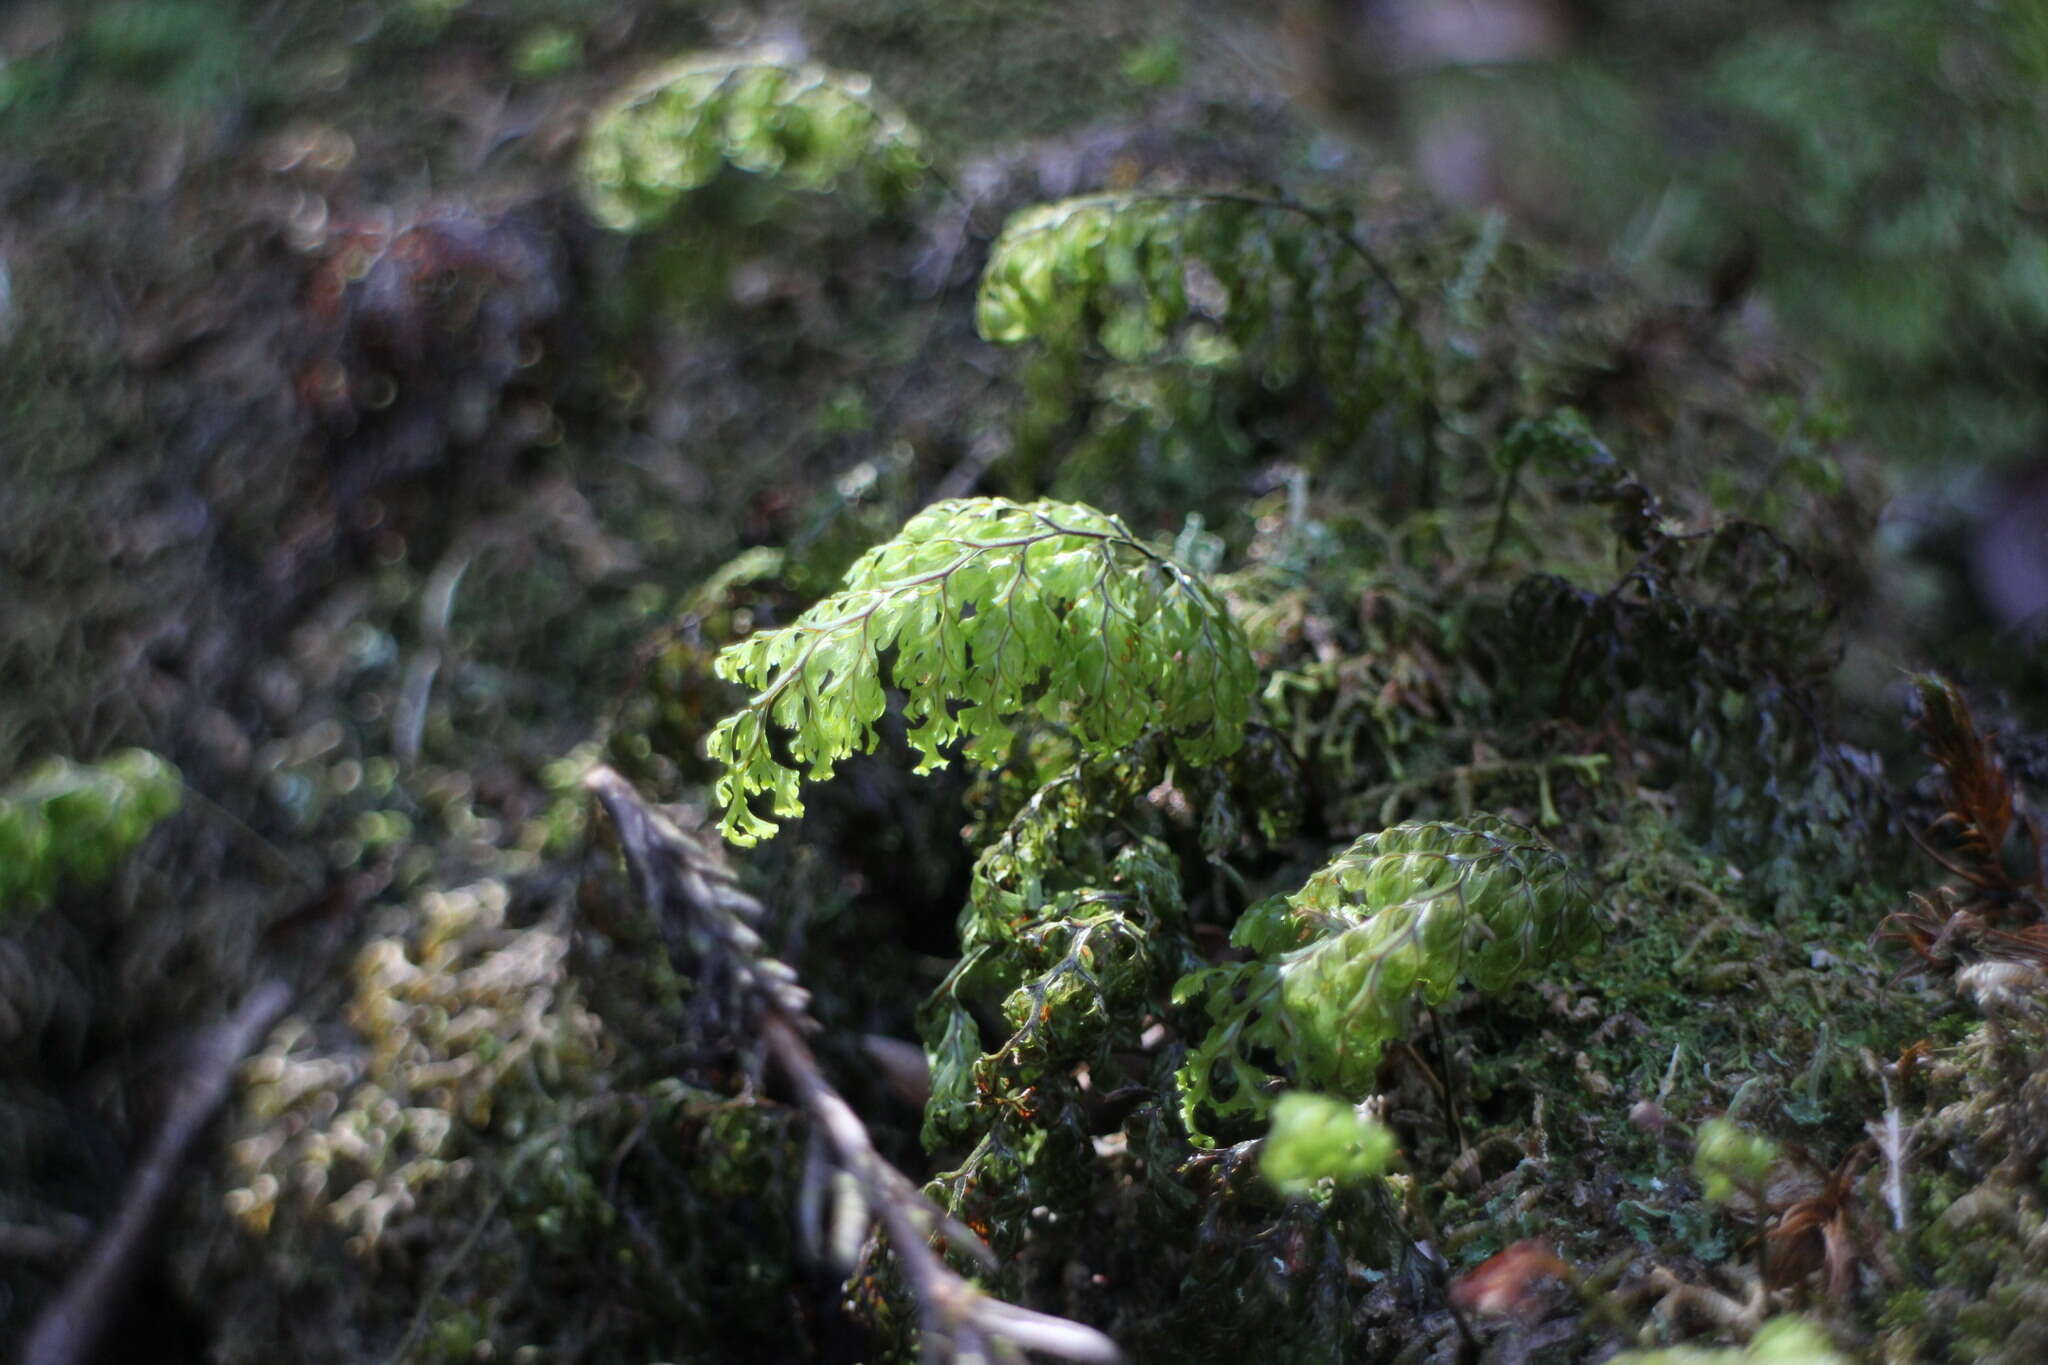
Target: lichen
(461,1027)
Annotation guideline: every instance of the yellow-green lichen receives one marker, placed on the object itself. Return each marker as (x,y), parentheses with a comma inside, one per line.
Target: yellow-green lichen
(460,1025)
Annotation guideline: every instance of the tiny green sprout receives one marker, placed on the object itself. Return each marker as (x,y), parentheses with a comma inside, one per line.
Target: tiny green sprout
(1316,1138)
(1730,1160)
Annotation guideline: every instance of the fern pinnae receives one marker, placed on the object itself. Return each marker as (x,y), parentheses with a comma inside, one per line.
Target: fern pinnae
(762,112)
(1403,917)
(993,610)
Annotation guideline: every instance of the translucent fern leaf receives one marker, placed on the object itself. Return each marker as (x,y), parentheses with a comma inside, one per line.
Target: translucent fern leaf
(1180,316)
(1056,262)
(985,611)
(1133,269)
(1405,916)
(755,111)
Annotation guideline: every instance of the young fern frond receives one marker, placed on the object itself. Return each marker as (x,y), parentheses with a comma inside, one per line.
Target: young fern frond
(985,611)
(1203,329)
(1403,916)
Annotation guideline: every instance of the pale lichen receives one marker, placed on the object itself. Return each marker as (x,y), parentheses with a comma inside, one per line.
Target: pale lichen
(458,1021)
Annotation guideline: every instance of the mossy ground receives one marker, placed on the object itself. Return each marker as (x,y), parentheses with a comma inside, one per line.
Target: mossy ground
(355,470)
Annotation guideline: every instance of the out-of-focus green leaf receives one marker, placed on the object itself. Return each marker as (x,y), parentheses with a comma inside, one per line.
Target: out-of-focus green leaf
(1315,1138)
(672,132)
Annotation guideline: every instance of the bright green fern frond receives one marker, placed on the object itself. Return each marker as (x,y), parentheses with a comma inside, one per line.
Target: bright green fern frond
(1051,257)
(988,611)
(1403,916)
(1179,321)
(757,112)
(1253,274)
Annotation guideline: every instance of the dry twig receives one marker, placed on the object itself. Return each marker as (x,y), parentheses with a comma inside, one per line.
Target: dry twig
(1891,1139)
(700,909)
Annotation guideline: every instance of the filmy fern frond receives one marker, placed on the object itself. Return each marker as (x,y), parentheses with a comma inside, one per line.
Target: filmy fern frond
(1262,273)
(760,112)
(1188,320)
(985,611)
(1404,916)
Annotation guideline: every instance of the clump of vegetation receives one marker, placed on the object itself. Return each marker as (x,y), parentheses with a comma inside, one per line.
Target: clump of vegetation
(1113,851)
(444,1018)
(1378,613)
(799,123)
(72,822)
(1974,1188)
(1396,626)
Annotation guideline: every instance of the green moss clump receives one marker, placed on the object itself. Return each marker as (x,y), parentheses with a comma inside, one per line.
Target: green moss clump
(72,822)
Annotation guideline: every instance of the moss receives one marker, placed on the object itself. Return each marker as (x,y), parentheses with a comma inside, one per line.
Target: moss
(562,1153)
(1980,1230)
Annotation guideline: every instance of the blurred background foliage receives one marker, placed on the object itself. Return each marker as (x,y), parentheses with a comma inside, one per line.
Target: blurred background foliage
(1865,176)
(1876,164)
(357,465)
